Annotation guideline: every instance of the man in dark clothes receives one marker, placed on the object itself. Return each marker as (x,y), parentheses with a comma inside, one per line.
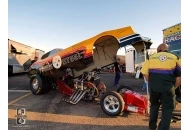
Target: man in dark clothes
(117,71)
(163,72)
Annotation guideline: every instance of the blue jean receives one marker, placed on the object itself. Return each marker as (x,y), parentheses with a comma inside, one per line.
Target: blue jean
(117,78)
(144,86)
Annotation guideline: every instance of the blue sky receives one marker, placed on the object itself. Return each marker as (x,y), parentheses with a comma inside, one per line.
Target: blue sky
(48,24)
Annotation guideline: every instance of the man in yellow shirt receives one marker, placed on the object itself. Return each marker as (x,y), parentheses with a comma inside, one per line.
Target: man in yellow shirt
(163,72)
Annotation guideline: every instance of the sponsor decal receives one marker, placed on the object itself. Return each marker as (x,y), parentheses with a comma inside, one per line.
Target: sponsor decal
(56,63)
(73,58)
(162,58)
(46,67)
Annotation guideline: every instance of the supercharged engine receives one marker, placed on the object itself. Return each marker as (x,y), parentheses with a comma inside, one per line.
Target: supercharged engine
(84,88)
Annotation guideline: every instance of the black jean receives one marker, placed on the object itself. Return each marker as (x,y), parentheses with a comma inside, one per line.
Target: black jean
(167,100)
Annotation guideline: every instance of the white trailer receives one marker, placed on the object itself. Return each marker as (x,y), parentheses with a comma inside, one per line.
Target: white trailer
(134,61)
(130,55)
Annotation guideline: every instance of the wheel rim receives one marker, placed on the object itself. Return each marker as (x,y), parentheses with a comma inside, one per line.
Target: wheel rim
(111,104)
(35,84)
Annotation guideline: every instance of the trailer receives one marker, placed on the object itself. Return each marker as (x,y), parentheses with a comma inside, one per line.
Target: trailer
(134,61)
(172,37)
(18,54)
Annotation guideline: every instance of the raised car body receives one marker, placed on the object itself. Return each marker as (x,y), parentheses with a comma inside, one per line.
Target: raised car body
(98,51)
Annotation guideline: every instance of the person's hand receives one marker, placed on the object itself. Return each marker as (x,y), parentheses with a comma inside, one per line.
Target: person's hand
(176,87)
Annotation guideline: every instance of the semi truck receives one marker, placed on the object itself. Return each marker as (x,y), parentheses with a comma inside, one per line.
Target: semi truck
(18,54)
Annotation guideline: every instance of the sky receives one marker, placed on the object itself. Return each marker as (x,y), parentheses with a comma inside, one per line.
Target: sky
(49,24)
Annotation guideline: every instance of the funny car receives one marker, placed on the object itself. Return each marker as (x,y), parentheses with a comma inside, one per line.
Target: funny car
(72,68)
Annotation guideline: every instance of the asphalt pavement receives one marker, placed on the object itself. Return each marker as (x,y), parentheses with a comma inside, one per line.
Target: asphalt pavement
(49,112)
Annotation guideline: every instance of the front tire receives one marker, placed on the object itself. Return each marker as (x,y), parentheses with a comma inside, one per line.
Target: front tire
(37,86)
(112,103)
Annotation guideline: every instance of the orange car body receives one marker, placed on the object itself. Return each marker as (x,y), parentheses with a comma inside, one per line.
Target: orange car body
(98,51)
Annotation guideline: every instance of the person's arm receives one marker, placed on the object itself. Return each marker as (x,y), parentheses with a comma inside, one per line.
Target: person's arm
(177,82)
(114,68)
(144,70)
(178,73)
(146,77)
(120,69)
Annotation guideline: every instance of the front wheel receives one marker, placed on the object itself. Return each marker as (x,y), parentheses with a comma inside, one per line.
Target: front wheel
(36,84)
(112,103)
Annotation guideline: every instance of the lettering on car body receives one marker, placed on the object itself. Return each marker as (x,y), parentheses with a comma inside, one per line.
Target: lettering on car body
(49,66)
(72,58)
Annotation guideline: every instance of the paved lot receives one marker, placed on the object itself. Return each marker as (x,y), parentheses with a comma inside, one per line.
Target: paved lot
(49,112)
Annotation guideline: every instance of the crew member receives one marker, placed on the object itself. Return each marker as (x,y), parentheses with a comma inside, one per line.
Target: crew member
(163,72)
(117,71)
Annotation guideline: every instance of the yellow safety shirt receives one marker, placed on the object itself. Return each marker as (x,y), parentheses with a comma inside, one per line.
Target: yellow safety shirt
(162,69)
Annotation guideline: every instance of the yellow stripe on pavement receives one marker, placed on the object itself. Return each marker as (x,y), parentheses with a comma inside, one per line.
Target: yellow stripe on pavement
(74,119)
(19,98)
